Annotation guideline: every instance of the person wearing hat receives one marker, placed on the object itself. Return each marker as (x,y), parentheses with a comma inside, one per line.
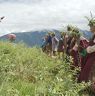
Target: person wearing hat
(83,44)
(61,44)
(44,43)
(73,50)
(88,72)
(49,44)
(55,42)
(68,39)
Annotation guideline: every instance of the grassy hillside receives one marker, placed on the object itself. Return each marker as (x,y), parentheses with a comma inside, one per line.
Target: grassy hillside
(29,72)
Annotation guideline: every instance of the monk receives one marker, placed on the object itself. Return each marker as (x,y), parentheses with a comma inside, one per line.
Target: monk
(82,50)
(61,45)
(88,72)
(55,43)
(74,48)
(49,44)
(69,39)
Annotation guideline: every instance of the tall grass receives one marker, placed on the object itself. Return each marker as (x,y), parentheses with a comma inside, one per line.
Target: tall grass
(29,72)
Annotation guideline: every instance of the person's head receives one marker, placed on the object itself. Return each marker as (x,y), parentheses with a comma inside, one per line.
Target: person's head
(92,29)
(76,33)
(63,34)
(69,28)
(49,33)
(53,34)
(92,25)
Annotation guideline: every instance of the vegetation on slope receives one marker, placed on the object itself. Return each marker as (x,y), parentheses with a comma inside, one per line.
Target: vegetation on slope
(29,72)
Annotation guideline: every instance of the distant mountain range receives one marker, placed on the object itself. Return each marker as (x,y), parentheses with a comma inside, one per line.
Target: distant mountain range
(35,38)
(31,38)
(86,34)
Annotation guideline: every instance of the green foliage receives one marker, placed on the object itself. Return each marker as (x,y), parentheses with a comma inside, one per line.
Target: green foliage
(91,20)
(69,28)
(29,72)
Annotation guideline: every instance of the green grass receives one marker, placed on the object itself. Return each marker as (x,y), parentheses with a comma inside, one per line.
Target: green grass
(29,72)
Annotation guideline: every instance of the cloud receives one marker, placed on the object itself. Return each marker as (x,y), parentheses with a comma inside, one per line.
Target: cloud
(39,14)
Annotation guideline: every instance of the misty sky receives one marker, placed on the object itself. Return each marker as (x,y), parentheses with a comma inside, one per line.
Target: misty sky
(26,15)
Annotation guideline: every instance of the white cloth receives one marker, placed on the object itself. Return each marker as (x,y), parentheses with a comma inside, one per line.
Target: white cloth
(83,38)
(90,49)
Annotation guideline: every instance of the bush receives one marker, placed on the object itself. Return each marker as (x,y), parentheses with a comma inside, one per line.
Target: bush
(29,72)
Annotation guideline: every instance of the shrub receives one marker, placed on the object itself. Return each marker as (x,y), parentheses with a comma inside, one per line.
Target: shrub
(29,72)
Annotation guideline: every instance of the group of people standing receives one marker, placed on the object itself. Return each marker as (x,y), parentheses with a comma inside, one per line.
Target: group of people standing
(50,44)
(72,43)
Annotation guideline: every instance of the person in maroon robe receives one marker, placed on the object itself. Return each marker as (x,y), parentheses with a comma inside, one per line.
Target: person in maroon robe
(61,45)
(82,46)
(74,48)
(68,39)
(68,43)
(74,52)
(88,71)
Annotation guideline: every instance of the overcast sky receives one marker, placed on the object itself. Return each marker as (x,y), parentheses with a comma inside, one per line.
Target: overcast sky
(26,15)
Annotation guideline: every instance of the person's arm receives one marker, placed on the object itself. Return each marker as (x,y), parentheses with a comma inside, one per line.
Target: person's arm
(90,49)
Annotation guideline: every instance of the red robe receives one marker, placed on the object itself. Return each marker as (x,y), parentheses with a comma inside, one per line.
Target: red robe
(83,45)
(75,57)
(61,45)
(90,61)
(74,53)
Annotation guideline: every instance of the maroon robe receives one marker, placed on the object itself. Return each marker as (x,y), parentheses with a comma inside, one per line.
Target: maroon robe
(74,54)
(61,45)
(68,42)
(83,45)
(75,57)
(90,61)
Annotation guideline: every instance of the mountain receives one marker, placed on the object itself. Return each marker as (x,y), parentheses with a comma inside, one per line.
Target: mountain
(30,38)
(35,38)
(86,34)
